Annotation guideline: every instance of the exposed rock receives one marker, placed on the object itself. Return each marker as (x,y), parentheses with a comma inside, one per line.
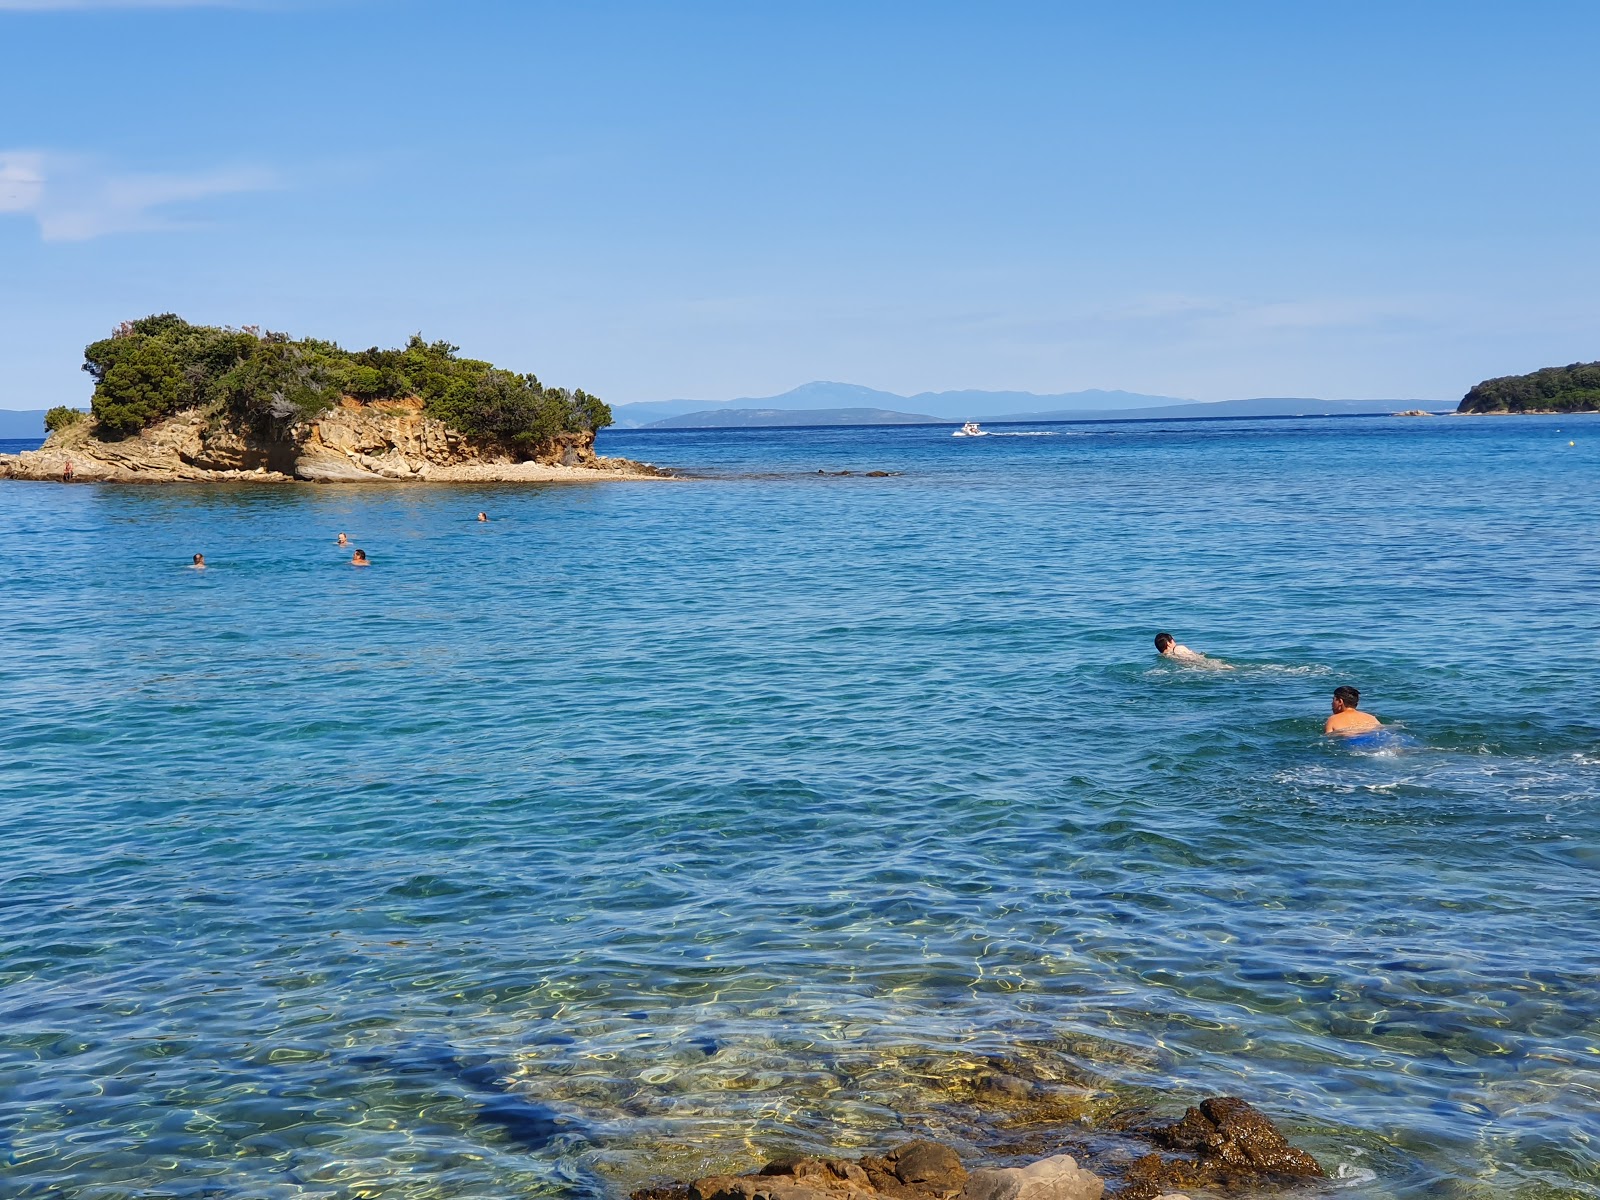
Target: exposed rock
(350,443)
(327,468)
(917,1168)
(1058,1177)
(1225,1143)
(1228,1131)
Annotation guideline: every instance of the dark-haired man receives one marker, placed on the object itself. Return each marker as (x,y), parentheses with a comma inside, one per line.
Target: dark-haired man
(1169,647)
(1347,718)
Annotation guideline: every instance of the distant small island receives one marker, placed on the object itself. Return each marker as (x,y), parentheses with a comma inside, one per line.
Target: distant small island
(1574,388)
(175,401)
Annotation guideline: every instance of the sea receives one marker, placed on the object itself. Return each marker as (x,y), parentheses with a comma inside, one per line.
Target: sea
(653,829)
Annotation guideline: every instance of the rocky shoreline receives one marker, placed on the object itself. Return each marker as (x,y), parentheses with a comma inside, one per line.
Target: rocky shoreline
(384,442)
(1222,1145)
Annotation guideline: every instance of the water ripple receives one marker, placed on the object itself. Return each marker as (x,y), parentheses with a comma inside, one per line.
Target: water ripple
(645,829)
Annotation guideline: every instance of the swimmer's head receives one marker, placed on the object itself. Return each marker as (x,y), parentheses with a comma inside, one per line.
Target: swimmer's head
(483,516)
(199,560)
(360,556)
(1346,697)
(1163,642)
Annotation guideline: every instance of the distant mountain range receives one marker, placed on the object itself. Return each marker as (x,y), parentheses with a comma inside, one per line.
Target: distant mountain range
(823,403)
(751,418)
(939,406)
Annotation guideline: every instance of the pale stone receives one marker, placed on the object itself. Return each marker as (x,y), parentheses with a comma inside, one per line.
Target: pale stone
(1056,1178)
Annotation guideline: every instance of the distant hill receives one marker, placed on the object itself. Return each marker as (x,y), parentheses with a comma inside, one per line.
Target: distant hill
(1574,388)
(23,423)
(754,418)
(941,406)
(1262,406)
(867,406)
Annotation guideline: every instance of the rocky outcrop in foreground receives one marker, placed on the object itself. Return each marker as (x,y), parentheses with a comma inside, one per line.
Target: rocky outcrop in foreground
(350,443)
(1223,1145)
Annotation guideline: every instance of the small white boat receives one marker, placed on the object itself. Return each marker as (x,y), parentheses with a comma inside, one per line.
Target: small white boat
(970,429)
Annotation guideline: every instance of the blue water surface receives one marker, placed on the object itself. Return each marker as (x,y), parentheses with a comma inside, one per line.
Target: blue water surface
(653,827)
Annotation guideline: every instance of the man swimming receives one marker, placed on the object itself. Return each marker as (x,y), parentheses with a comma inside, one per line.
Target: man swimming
(199,563)
(343,541)
(1347,719)
(1169,647)
(359,559)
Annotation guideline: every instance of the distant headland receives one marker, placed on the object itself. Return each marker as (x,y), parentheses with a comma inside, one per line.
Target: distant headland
(180,402)
(1574,388)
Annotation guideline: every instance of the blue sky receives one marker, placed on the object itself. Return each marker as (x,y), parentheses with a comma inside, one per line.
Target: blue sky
(710,200)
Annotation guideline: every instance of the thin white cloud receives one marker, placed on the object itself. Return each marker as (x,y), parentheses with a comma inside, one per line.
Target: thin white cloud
(74,199)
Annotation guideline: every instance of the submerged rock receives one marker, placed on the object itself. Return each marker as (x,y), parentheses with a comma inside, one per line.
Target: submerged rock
(1221,1145)
(794,1179)
(917,1170)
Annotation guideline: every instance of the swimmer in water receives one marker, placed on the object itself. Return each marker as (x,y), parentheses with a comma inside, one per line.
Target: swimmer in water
(199,563)
(359,559)
(483,516)
(343,541)
(1169,647)
(1347,719)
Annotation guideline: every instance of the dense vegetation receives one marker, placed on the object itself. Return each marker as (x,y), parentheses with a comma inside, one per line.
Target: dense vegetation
(1555,389)
(160,365)
(60,417)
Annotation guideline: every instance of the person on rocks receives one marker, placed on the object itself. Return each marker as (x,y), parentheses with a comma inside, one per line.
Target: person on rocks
(199,563)
(359,559)
(1169,647)
(1347,719)
(67,473)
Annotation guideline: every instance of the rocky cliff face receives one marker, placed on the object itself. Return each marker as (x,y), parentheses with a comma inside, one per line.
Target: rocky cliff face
(352,443)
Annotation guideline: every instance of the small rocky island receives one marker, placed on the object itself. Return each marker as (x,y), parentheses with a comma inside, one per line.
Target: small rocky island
(198,403)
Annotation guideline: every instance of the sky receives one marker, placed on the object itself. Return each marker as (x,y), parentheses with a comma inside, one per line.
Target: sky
(712,200)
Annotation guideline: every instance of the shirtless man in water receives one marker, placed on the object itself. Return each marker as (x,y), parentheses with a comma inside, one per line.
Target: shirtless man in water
(1347,719)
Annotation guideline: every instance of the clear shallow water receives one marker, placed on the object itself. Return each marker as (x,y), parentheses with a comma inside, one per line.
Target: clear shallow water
(652,827)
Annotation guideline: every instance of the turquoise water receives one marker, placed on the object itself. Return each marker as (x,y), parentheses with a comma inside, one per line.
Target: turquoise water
(651,827)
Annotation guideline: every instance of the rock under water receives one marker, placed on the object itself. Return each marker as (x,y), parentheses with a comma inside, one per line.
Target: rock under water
(1222,1145)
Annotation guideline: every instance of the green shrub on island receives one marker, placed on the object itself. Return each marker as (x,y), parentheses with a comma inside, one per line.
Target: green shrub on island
(1574,388)
(161,365)
(61,417)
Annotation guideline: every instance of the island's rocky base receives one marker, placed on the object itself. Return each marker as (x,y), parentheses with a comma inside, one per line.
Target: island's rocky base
(1223,1145)
(391,441)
